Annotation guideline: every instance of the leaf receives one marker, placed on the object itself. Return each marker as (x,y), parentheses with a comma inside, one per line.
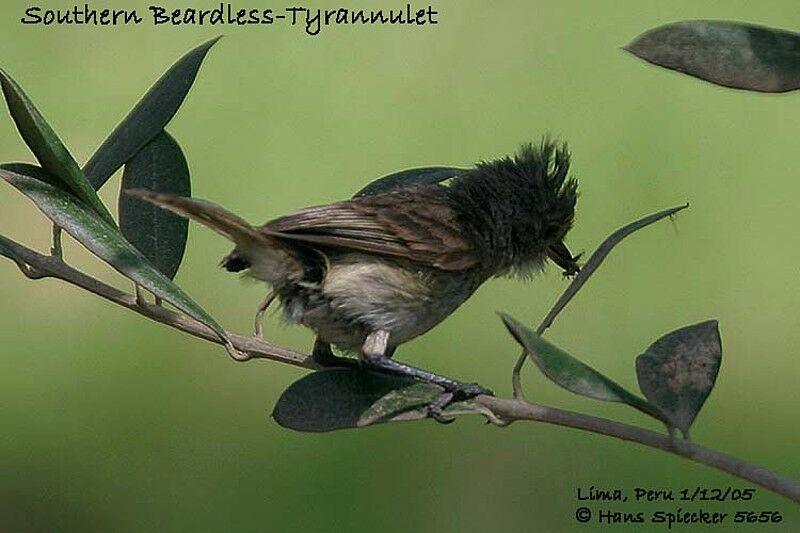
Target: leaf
(47,147)
(568,372)
(105,241)
(408,178)
(398,401)
(159,234)
(148,118)
(732,54)
(333,399)
(677,372)
(349,398)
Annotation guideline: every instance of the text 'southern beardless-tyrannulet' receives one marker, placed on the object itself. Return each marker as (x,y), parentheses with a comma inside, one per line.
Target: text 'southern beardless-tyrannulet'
(371,273)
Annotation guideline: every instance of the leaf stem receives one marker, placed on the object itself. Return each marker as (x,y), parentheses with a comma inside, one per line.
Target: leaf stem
(56,250)
(137,290)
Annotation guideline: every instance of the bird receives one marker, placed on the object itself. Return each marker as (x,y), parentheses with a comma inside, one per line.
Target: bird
(370,273)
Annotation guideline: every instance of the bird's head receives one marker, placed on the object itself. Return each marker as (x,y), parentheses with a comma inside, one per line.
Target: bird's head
(521,208)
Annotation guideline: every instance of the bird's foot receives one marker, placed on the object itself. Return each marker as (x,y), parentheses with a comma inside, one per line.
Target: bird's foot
(374,356)
(465,391)
(454,393)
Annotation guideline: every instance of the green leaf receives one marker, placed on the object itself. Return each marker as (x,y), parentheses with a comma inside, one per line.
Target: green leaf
(105,241)
(678,371)
(148,118)
(732,54)
(47,147)
(565,370)
(159,234)
(350,398)
(408,178)
(399,401)
(333,399)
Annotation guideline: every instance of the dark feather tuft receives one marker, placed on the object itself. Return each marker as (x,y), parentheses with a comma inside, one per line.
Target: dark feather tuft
(515,207)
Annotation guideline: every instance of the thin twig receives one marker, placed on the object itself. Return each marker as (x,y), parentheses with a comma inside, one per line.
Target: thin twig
(580,280)
(507,410)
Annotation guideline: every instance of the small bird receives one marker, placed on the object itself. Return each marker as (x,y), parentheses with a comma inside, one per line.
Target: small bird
(373,272)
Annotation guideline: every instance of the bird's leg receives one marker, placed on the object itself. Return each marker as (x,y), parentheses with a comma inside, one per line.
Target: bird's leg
(374,356)
(259,321)
(324,356)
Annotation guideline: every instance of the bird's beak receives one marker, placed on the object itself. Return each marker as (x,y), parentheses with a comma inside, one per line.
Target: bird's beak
(560,255)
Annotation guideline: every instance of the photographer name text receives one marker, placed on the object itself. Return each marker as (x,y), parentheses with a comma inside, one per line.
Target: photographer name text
(686,507)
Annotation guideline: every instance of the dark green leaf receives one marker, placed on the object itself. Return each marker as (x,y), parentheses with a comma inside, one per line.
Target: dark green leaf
(678,371)
(742,56)
(351,398)
(408,178)
(333,399)
(47,147)
(159,234)
(148,118)
(568,372)
(105,241)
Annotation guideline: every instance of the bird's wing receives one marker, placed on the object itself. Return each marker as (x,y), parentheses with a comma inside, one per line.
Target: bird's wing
(415,224)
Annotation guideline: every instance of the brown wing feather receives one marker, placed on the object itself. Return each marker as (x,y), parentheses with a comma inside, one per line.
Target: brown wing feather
(413,224)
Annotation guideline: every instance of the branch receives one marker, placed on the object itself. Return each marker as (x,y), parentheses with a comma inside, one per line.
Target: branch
(37,266)
(521,410)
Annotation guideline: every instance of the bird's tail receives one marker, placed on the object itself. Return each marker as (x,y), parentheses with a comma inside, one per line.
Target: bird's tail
(254,249)
(207,213)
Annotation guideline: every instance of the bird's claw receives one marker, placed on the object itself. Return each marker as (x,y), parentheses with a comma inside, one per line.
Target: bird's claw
(436,407)
(465,391)
(458,392)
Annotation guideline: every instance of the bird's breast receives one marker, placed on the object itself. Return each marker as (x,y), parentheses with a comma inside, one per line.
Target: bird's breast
(361,293)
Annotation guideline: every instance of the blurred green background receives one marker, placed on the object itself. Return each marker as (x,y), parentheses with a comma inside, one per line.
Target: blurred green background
(114,423)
